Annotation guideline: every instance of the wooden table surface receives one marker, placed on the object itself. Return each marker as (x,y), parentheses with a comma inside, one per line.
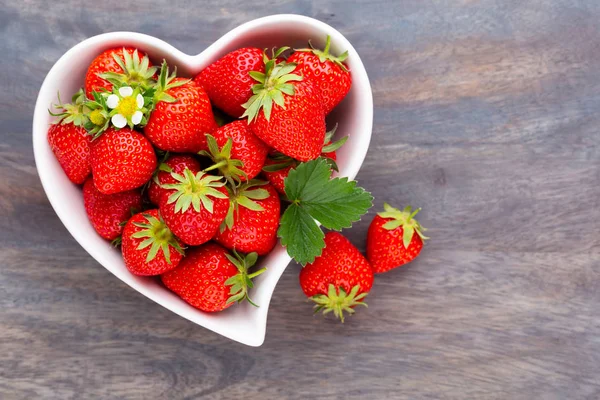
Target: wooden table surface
(487,115)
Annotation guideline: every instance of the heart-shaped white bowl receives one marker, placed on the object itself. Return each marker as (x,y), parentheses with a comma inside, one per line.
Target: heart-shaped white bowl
(243,323)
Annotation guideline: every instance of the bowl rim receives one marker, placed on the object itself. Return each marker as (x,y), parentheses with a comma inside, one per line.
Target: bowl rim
(40,144)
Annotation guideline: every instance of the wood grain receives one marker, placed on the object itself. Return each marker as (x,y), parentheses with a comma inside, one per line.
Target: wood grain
(487,116)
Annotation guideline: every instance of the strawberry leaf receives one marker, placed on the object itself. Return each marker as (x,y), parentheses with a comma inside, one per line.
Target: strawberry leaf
(334,203)
(339,204)
(300,234)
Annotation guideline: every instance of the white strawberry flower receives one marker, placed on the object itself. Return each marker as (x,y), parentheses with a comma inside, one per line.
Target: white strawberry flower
(127,106)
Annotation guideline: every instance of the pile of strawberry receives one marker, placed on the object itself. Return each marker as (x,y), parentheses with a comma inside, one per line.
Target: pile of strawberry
(196,178)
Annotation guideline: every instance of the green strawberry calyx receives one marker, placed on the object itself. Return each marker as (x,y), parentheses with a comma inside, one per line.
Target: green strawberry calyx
(157,236)
(328,145)
(230,168)
(324,54)
(338,301)
(98,114)
(164,83)
(137,71)
(405,219)
(194,191)
(271,86)
(242,281)
(245,196)
(71,113)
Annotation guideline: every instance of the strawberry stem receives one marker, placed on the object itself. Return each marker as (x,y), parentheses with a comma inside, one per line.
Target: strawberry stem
(257,273)
(327,45)
(216,166)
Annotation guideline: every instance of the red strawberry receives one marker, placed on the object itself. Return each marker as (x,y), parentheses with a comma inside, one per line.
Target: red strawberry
(391,240)
(292,120)
(122,66)
(227,80)
(278,166)
(121,160)
(109,212)
(176,163)
(148,245)
(253,218)
(69,141)
(211,279)
(195,206)
(339,279)
(182,117)
(325,71)
(276,169)
(237,153)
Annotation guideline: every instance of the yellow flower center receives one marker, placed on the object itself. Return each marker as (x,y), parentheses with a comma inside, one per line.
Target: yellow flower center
(127,107)
(97,118)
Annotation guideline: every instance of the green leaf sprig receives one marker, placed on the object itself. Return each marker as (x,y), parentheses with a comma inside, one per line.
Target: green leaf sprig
(316,198)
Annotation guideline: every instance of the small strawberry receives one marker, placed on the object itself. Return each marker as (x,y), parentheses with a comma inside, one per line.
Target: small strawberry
(276,169)
(182,115)
(227,81)
(237,153)
(148,245)
(211,279)
(176,163)
(195,206)
(278,166)
(325,71)
(292,120)
(109,212)
(391,240)
(69,141)
(119,66)
(121,160)
(253,218)
(339,279)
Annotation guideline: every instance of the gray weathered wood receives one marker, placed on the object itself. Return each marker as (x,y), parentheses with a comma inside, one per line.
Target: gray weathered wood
(487,116)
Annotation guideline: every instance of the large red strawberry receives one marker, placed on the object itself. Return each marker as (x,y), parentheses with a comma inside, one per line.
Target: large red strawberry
(195,206)
(236,152)
(121,160)
(253,218)
(286,112)
(182,116)
(211,279)
(109,212)
(391,240)
(227,80)
(176,163)
(339,279)
(148,245)
(122,66)
(325,71)
(278,166)
(69,141)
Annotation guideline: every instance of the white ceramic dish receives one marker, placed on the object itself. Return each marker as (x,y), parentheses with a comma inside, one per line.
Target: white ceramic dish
(243,323)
